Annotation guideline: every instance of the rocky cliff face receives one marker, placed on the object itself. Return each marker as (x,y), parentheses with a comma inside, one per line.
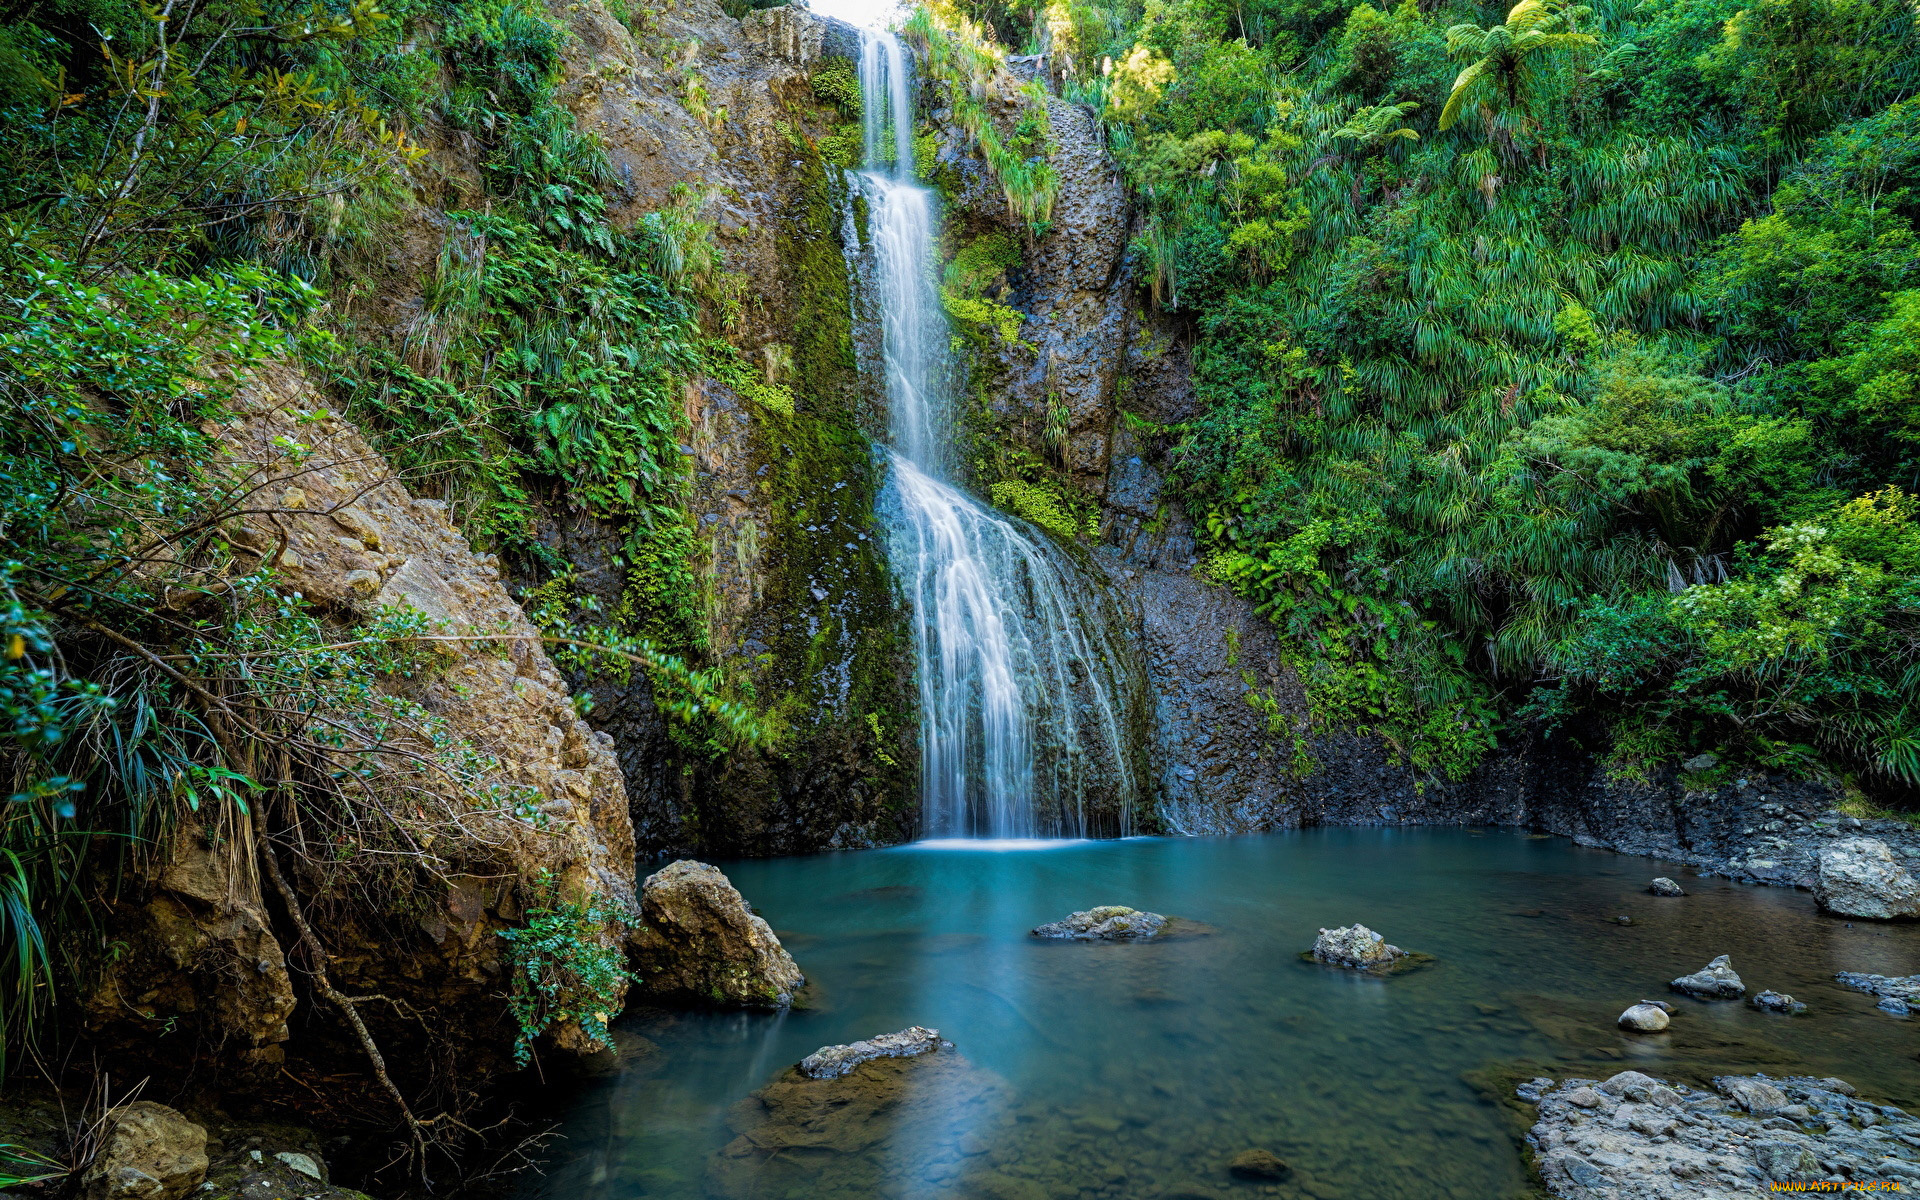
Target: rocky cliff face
(744,113)
(537,807)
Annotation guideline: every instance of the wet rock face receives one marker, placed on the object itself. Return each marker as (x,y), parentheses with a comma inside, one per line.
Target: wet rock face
(699,943)
(1862,877)
(149,1152)
(1110,922)
(831,1062)
(1637,1136)
(1715,981)
(802,602)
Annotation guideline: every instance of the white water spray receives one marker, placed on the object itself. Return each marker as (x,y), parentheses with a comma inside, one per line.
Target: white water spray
(1023,693)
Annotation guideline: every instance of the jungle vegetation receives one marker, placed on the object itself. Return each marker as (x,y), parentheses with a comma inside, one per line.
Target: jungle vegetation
(1558,365)
(201,188)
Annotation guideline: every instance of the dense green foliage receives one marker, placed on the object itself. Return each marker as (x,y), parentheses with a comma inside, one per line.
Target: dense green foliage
(1556,364)
(568,964)
(204,189)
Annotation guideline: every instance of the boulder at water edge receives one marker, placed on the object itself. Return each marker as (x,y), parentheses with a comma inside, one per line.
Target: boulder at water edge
(149,1152)
(1715,981)
(1772,1001)
(1113,922)
(1666,887)
(1860,877)
(1355,947)
(1645,1017)
(699,943)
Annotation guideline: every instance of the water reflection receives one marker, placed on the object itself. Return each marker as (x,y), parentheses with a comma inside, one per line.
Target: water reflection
(1108,1072)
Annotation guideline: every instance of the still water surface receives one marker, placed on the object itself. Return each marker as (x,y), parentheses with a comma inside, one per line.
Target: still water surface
(1102,1071)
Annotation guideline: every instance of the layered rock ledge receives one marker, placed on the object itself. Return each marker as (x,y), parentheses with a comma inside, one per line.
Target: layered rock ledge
(1636,1136)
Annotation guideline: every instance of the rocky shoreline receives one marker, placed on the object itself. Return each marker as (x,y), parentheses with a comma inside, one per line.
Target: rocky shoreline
(1633,1137)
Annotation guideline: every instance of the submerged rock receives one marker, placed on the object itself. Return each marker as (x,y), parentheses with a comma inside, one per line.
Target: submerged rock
(1666,887)
(831,1062)
(1778,1002)
(887,1125)
(1715,981)
(1645,1018)
(1258,1164)
(149,1152)
(1355,947)
(699,943)
(1668,1140)
(1112,922)
(1861,877)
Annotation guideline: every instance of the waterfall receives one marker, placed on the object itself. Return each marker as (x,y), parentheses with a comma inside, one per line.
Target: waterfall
(1024,692)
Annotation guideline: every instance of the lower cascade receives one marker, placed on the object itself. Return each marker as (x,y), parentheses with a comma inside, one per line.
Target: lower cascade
(1025,691)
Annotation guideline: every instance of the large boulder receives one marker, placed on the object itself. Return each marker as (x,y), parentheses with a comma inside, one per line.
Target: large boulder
(1860,877)
(1715,981)
(149,1152)
(699,943)
(1111,922)
(1355,947)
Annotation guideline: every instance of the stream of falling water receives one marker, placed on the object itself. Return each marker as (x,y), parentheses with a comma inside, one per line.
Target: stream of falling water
(1024,692)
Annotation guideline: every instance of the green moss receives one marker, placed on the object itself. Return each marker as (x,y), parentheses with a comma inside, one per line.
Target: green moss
(836,668)
(1045,506)
(834,82)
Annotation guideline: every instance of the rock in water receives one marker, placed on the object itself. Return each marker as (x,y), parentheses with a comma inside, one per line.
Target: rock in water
(1715,981)
(1666,887)
(1355,947)
(1904,988)
(1860,877)
(1645,1018)
(831,1062)
(1114,922)
(699,943)
(887,1127)
(1258,1164)
(1778,1002)
(149,1152)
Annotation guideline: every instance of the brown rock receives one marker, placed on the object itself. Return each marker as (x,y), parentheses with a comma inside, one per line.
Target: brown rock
(1258,1164)
(698,942)
(150,1152)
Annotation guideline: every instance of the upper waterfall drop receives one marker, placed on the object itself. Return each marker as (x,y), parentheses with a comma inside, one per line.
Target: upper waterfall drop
(1026,700)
